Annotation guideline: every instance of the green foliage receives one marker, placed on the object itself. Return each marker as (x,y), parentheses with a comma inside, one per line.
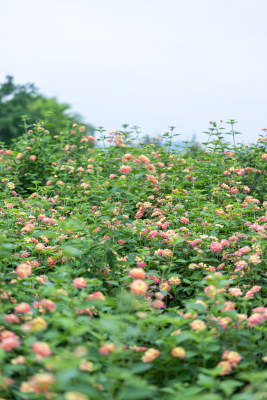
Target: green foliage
(81,226)
(17,100)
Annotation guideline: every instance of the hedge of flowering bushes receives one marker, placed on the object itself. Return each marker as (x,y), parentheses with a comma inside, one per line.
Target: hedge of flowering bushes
(132,272)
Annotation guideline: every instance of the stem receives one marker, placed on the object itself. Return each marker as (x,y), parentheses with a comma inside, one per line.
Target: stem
(256,181)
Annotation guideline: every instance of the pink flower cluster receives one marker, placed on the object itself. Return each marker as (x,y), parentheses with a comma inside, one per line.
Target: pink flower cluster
(9,340)
(230,359)
(125,169)
(252,291)
(216,247)
(79,283)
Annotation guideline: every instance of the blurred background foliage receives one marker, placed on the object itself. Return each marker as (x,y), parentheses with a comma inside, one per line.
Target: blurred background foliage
(25,100)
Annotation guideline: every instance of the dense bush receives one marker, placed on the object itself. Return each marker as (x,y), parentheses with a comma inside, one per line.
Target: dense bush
(132,272)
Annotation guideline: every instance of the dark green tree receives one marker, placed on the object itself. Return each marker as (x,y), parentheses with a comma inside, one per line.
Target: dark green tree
(20,100)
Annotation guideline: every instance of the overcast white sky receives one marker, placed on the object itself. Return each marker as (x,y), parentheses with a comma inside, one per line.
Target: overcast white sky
(151,63)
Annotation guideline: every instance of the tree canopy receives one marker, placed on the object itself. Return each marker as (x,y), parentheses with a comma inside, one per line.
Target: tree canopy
(17,101)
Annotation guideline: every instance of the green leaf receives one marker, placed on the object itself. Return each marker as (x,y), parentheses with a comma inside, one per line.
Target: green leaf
(244,396)
(183,337)
(206,381)
(140,367)
(111,259)
(72,251)
(229,386)
(136,393)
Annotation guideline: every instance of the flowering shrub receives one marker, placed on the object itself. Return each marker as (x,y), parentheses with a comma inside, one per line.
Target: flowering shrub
(132,272)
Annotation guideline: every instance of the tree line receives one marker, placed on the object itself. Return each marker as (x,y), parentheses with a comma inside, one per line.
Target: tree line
(24,103)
